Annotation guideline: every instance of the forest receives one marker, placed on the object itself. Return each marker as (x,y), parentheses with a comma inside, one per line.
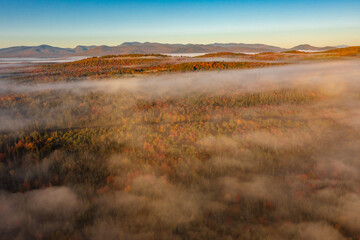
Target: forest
(159,147)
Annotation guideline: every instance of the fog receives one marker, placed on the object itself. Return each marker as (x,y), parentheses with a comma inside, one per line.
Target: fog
(332,76)
(298,183)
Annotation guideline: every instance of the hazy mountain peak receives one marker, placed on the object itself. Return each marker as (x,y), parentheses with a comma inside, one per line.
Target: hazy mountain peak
(308,47)
(129,43)
(45,46)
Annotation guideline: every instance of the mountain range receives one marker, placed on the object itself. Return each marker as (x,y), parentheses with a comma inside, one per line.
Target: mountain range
(146,48)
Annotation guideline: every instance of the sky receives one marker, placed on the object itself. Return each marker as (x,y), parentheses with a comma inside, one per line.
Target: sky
(69,23)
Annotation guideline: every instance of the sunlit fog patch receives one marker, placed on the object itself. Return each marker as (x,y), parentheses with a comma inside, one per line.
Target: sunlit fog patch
(49,209)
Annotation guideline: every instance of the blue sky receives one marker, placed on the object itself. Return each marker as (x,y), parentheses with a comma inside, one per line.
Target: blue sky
(283,23)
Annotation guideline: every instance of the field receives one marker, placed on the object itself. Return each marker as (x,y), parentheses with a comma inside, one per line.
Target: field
(225,146)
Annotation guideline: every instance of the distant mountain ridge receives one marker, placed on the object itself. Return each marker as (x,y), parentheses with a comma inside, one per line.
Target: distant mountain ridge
(307,47)
(146,48)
